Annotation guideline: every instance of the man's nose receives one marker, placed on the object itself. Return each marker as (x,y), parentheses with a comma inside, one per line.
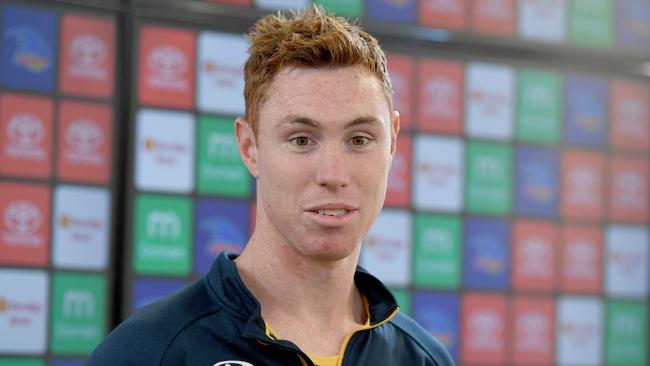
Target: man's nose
(332,171)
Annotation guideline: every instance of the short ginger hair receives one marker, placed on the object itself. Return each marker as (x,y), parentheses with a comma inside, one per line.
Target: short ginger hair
(308,38)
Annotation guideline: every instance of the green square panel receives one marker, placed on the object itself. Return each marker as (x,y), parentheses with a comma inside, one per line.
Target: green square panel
(345,8)
(403,298)
(162,235)
(488,172)
(220,168)
(590,22)
(539,106)
(627,333)
(436,261)
(21,362)
(78,313)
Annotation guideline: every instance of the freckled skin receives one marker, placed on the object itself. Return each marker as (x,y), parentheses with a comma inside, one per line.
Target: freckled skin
(327,161)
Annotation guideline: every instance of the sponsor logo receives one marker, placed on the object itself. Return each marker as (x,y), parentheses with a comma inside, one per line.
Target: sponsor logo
(536,255)
(84,139)
(19,313)
(385,248)
(233,363)
(582,182)
(490,256)
(444,6)
(442,95)
(33,53)
(582,257)
(489,168)
(628,262)
(223,233)
(490,103)
(225,76)
(163,225)
(533,332)
(78,304)
(438,241)
(168,65)
(167,153)
(81,227)
(627,326)
(538,96)
(628,188)
(538,187)
(631,114)
(497,9)
(22,219)
(222,145)
(25,132)
(581,335)
(485,328)
(87,53)
(439,174)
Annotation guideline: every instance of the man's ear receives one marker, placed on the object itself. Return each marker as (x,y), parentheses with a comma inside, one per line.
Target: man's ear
(247,144)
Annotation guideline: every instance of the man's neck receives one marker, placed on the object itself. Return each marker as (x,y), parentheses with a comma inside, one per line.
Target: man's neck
(311,302)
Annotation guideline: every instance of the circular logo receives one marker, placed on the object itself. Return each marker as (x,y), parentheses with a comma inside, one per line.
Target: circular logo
(25,130)
(22,217)
(168,62)
(233,363)
(87,50)
(84,136)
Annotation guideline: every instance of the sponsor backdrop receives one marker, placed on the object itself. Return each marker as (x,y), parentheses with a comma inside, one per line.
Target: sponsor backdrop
(57,182)
(516,226)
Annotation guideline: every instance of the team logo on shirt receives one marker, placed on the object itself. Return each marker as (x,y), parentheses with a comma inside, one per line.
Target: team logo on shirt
(233,363)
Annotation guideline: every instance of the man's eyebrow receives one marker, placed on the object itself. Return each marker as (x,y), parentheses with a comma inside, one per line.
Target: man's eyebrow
(301,120)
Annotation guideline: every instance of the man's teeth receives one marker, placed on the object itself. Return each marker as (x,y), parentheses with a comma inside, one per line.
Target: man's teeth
(331,212)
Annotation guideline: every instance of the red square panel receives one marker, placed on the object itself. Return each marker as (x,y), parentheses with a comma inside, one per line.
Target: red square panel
(583,176)
(398,193)
(496,17)
(400,68)
(26,135)
(88,56)
(533,331)
(484,329)
(166,67)
(448,14)
(85,142)
(25,225)
(630,115)
(581,259)
(440,96)
(533,255)
(628,195)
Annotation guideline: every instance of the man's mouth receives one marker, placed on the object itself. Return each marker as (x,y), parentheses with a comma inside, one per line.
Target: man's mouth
(332,212)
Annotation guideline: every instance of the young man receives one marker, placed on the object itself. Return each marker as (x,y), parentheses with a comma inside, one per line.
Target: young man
(318,136)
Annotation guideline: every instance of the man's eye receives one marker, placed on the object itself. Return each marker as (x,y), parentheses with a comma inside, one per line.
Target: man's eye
(300,141)
(360,140)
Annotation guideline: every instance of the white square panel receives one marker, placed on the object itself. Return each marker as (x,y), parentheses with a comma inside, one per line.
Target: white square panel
(81,224)
(164,151)
(579,331)
(489,99)
(543,20)
(438,173)
(626,261)
(23,311)
(386,251)
(220,81)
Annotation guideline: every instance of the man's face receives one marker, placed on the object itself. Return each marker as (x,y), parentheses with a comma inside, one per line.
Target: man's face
(325,141)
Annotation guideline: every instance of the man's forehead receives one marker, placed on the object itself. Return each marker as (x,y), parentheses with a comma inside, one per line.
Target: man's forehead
(300,120)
